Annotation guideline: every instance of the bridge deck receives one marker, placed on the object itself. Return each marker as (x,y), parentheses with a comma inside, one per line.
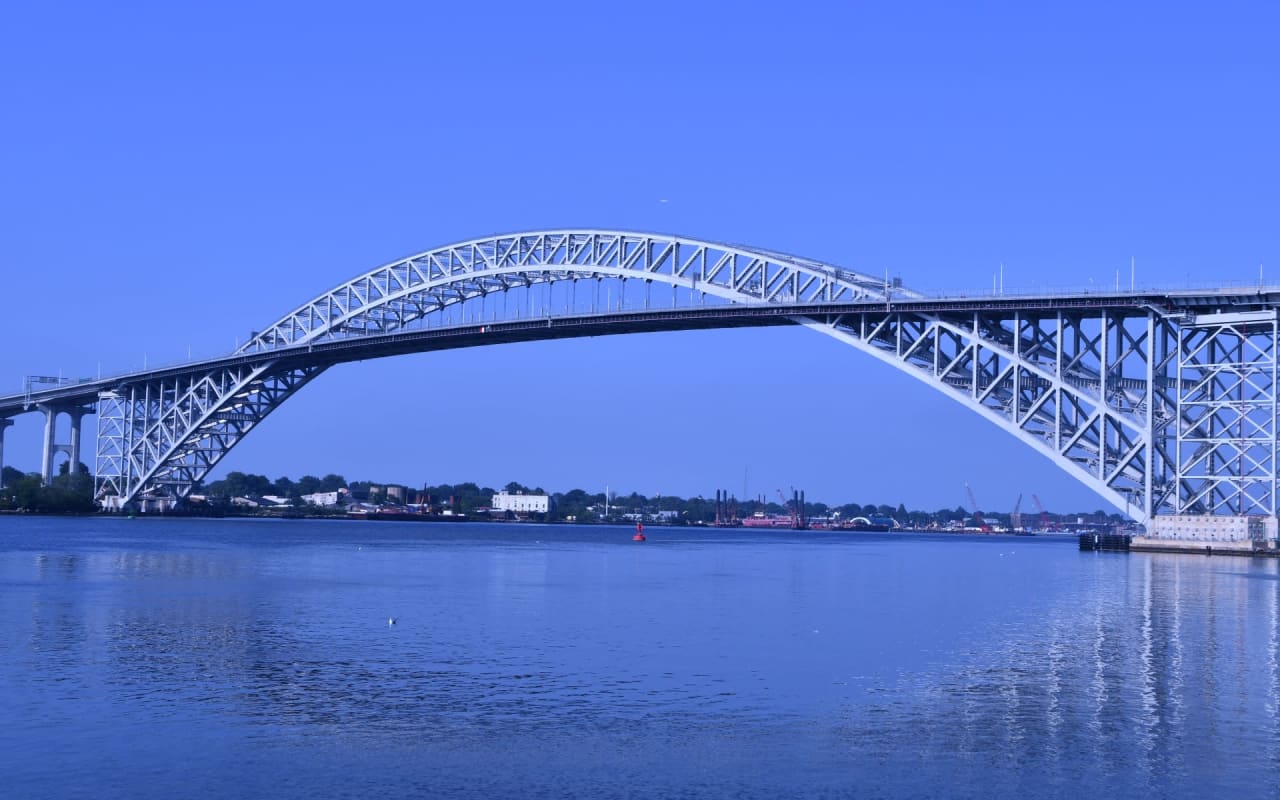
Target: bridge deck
(356,348)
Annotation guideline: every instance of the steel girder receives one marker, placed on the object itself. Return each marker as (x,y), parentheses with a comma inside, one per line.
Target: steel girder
(402,292)
(1226,391)
(1156,413)
(160,436)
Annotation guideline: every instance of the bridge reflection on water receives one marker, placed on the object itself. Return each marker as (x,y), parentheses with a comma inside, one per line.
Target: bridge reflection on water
(736,661)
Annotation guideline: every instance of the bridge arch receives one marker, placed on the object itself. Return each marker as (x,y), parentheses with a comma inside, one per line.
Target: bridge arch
(1124,392)
(162,435)
(400,293)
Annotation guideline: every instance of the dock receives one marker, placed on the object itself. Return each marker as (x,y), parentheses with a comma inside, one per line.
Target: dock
(1109,542)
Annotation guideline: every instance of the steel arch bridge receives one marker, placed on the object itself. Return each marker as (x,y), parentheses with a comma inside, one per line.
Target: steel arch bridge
(1159,402)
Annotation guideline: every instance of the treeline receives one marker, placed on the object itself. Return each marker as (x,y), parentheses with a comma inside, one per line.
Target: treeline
(241,484)
(68,494)
(578,505)
(74,494)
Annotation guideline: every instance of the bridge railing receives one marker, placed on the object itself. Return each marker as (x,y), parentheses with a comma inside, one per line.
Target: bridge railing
(464,313)
(1049,291)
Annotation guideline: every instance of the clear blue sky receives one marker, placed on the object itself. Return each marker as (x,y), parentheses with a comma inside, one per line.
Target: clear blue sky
(175,176)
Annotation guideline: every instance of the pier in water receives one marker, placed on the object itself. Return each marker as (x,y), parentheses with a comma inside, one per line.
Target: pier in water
(155,658)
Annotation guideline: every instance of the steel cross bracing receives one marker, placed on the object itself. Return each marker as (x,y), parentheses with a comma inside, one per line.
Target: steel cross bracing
(1157,403)
(1158,413)
(162,435)
(1226,393)
(403,292)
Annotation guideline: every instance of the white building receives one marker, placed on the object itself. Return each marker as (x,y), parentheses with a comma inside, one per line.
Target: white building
(1196,531)
(268,501)
(326,499)
(521,503)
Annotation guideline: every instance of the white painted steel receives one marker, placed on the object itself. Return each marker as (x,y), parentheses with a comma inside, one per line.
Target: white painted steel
(1145,412)
(397,294)
(1156,411)
(165,434)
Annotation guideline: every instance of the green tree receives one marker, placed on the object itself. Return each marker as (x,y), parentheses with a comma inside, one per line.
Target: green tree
(698,510)
(79,483)
(74,495)
(307,484)
(331,483)
(9,475)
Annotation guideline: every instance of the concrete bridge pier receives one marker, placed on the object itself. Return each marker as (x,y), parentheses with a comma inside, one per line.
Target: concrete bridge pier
(4,423)
(77,415)
(50,434)
(46,460)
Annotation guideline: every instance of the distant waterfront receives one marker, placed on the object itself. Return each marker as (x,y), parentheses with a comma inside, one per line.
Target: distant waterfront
(241,494)
(152,658)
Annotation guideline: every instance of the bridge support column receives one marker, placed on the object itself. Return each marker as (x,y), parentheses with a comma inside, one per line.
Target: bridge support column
(51,448)
(46,460)
(4,423)
(77,415)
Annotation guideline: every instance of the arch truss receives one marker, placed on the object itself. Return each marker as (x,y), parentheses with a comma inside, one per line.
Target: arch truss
(400,294)
(160,435)
(1160,404)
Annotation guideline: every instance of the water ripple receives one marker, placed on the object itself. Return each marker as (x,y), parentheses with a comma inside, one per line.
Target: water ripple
(258,660)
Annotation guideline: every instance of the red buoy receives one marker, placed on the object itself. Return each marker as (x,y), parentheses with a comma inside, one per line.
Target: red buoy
(639,537)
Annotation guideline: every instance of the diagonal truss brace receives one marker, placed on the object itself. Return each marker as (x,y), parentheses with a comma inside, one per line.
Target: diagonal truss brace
(162,436)
(1080,389)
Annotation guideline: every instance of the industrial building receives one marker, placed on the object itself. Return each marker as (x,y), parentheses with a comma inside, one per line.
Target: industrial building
(521,503)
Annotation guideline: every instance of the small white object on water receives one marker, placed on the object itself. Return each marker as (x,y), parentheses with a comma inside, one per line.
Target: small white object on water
(391,621)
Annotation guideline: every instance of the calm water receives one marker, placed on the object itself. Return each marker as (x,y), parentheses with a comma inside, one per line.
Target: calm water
(159,659)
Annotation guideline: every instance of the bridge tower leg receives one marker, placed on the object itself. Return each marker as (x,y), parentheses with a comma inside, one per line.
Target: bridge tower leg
(46,460)
(77,416)
(4,423)
(51,448)
(111,477)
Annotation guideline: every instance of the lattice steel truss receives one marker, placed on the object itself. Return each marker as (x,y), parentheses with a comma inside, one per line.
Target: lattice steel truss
(402,292)
(1226,390)
(159,437)
(1156,412)
(1158,406)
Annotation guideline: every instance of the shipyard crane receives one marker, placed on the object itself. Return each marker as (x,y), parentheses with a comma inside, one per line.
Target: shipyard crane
(1044,515)
(795,508)
(789,508)
(973,507)
(1015,519)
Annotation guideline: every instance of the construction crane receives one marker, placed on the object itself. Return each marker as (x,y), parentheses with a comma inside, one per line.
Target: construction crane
(1044,515)
(789,508)
(1015,519)
(973,506)
(795,508)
